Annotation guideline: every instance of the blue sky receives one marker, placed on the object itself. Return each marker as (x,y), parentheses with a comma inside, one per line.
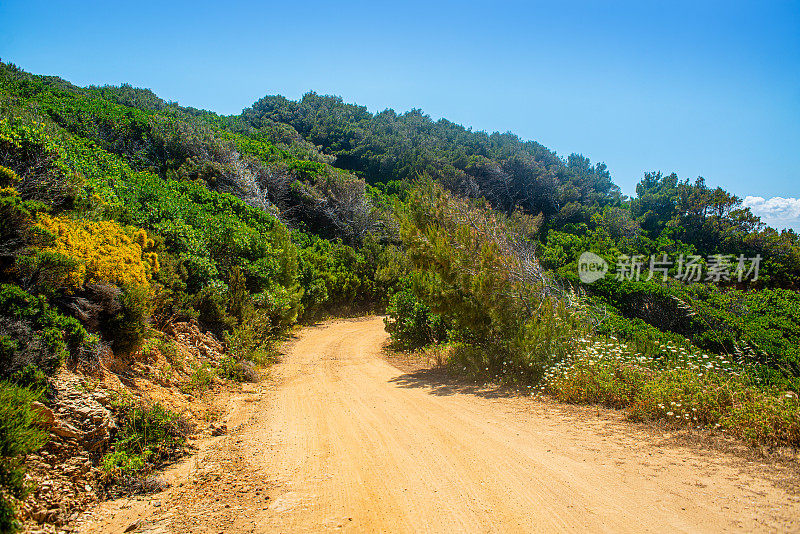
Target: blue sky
(699,88)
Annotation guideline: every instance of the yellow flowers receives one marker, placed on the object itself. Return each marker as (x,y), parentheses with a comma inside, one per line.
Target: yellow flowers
(7,176)
(103,250)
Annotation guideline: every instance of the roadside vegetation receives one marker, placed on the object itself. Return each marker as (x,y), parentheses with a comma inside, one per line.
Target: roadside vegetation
(123,213)
(19,435)
(149,436)
(480,296)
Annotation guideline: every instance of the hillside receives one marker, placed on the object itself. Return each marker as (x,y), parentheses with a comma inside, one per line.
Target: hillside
(125,215)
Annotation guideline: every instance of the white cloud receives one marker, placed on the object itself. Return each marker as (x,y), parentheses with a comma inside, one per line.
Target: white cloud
(778,212)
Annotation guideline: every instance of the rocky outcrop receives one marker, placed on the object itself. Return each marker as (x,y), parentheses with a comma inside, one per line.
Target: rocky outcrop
(204,347)
(65,471)
(79,417)
(81,414)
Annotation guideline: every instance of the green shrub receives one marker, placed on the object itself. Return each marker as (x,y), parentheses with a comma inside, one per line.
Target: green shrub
(19,435)
(147,436)
(252,340)
(127,328)
(202,378)
(31,377)
(549,336)
(237,370)
(34,334)
(212,304)
(771,416)
(761,326)
(339,278)
(411,323)
(125,463)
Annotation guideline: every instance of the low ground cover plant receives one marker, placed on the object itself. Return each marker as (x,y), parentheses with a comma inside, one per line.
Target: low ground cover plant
(686,388)
(148,436)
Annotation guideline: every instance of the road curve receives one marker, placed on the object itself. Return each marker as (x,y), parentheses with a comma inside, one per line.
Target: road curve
(342,440)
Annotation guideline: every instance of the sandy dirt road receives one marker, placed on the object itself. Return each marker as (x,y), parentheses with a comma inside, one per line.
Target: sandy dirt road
(339,439)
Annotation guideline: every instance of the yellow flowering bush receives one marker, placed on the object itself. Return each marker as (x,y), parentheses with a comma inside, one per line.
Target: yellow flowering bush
(103,251)
(7,176)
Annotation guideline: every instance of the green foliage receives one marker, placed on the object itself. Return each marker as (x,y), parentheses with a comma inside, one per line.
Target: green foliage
(35,334)
(124,463)
(692,389)
(32,377)
(17,231)
(759,327)
(211,303)
(333,275)
(474,270)
(147,436)
(19,435)
(550,335)
(252,340)
(389,147)
(411,323)
(127,328)
(208,231)
(202,378)
(763,327)
(238,301)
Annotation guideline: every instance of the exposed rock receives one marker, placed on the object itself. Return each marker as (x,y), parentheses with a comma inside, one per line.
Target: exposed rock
(65,430)
(102,397)
(80,415)
(204,347)
(63,471)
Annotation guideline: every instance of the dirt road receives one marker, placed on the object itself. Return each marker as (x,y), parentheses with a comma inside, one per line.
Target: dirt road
(338,439)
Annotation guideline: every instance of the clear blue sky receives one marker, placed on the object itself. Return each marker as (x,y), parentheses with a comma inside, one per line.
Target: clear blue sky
(699,88)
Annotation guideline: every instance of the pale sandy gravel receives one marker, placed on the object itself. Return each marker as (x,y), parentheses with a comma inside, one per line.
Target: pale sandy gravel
(339,439)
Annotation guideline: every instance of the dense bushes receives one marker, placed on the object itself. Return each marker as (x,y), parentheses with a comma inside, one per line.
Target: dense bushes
(388,146)
(127,327)
(197,239)
(336,277)
(201,236)
(411,323)
(35,334)
(475,275)
(761,328)
(250,344)
(756,326)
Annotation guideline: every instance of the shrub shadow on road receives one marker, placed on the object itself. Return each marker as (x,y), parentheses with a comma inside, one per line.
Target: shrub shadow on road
(441,383)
